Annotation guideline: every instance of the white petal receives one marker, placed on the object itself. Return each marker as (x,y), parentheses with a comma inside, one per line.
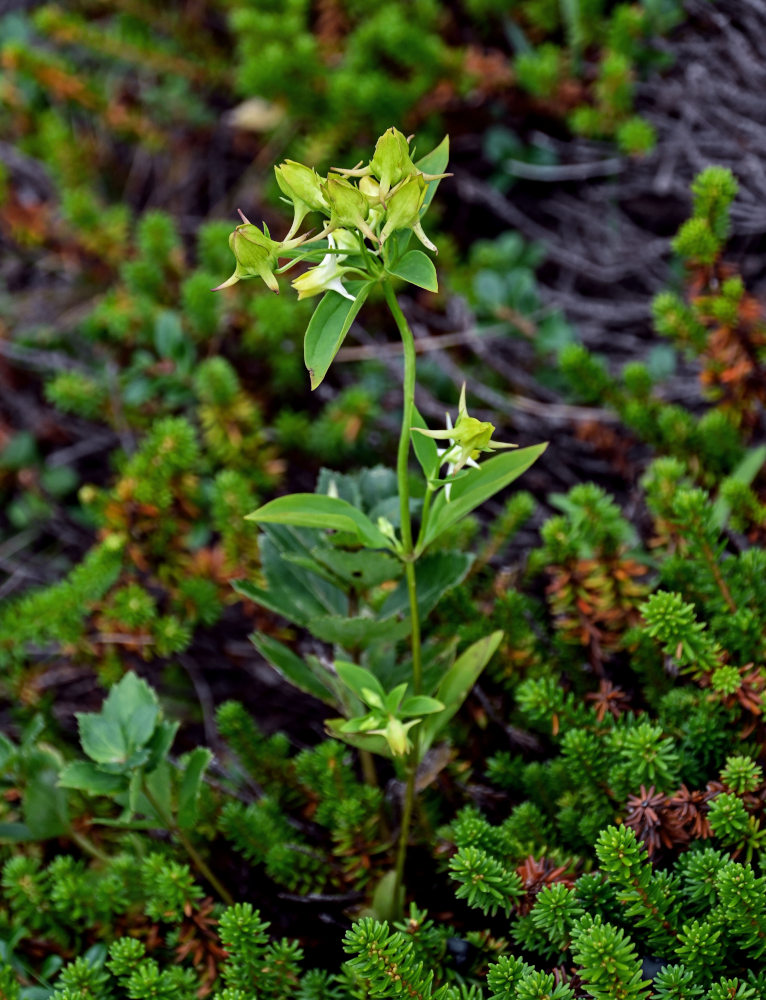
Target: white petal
(336,285)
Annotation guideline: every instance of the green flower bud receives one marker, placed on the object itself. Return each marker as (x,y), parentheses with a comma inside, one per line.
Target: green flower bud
(395,733)
(391,161)
(301,183)
(403,206)
(348,206)
(303,187)
(257,255)
(371,190)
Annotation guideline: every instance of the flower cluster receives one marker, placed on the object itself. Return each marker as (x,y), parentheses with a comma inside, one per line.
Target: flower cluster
(361,206)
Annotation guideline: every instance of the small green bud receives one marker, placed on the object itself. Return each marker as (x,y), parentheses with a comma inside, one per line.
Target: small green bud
(371,190)
(303,187)
(301,183)
(403,206)
(256,255)
(348,206)
(391,161)
(395,733)
(396,736)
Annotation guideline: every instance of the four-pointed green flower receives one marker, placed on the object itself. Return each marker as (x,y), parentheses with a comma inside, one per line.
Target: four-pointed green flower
(467,440)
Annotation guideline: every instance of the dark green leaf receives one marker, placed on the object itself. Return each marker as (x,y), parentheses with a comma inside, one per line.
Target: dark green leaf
(45,806)
(170,340)
(159,745)
(17,833)
(293,593)
(280,542)
(86,777)
(358,633)
(312,510)
(457,683)
(434,162)
(188,793)
(360,569)
(293,668)
(358,679)
(425,447)
(479,485)
(159,784)
(417,269)
(435,574)
(327,329)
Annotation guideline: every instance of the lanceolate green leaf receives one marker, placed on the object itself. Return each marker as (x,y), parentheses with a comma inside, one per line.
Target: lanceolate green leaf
(188,794)
(470,492)
(745,473)
(359,680)
(425,447)
(434,162)
(358,633)
(292,668)
(435,574)
(327,329)
(457,683)
(418,269)
(312,510)
(362,741)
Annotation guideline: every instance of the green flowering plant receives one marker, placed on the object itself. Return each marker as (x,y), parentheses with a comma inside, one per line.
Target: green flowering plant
(390,704)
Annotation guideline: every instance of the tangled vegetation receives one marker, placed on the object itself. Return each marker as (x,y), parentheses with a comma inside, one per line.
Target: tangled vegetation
(298,700)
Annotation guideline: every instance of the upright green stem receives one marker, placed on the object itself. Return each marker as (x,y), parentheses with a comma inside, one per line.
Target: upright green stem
(196,858)
(402,475)
(87,845)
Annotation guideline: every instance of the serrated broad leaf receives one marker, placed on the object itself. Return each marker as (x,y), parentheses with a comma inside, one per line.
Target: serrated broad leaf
(327,329)
(417,269)
(86,777)
(102,739)
(134,706)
